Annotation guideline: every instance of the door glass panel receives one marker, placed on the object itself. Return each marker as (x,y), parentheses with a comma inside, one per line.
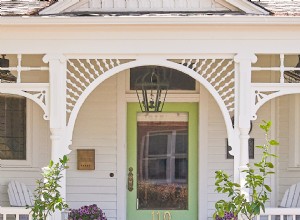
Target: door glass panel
(162,161)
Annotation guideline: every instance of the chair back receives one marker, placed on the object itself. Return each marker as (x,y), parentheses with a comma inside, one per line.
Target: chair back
(291,198)
(19,195)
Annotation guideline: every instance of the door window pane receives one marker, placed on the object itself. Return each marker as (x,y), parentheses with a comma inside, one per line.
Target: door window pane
(162,164)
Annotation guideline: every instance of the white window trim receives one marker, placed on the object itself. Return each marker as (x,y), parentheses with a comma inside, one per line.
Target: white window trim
(29,141)
(294,130)
(172,96)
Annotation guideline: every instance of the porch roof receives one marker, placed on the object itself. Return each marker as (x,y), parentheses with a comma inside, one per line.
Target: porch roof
(281,7)
(32,7)
(22,7)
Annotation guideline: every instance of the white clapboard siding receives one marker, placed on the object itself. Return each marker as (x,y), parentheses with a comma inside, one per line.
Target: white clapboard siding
(216,152)
(286,177)
(95,128)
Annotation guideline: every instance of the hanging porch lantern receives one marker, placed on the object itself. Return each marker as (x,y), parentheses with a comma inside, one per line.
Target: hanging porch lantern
(5,74)
(151,91)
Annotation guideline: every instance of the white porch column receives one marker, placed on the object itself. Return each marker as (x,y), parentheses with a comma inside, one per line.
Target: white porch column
(59,144)
(243,62)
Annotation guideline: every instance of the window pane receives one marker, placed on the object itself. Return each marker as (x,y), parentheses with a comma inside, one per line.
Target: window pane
(177,79)
(12,127)
(158,143)
(162,165)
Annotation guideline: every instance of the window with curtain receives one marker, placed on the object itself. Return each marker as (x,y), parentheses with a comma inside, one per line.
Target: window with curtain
(12,127)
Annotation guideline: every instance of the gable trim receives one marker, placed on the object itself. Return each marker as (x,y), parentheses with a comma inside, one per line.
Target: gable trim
(248,7)
(227,5)
(58,7)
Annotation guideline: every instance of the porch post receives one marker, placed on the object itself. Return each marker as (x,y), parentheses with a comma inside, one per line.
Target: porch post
(243,62)
(59,144)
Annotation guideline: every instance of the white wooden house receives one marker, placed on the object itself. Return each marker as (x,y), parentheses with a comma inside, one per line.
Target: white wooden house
(74,62)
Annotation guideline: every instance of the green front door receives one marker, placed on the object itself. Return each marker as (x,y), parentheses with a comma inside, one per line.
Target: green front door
(162,163)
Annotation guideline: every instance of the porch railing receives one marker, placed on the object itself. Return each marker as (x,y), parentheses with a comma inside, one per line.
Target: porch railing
(280,213)
(5,212)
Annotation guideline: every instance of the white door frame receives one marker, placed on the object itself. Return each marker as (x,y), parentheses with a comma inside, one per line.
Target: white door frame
(122,148)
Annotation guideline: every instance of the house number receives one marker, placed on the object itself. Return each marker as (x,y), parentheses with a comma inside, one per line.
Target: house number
(167,215)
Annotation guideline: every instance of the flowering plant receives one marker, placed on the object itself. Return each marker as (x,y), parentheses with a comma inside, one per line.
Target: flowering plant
(91,212)
(227,216)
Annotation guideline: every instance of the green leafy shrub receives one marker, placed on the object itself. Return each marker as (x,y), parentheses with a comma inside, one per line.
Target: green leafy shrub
(47,196)
(255,181)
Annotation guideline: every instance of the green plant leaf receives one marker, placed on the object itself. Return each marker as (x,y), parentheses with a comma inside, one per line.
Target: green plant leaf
(270,165)
(273,142)
(268,188)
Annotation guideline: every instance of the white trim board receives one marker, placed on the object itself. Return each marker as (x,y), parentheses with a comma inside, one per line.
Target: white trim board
(203,154)
(121,148)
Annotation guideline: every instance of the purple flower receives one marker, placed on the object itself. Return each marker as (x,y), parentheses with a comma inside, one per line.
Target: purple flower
(227,216)
(87,213)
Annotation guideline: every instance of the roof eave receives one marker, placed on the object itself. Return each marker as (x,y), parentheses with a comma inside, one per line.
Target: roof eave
(258,20)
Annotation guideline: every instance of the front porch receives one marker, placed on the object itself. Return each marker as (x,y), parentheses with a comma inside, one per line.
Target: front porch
(77,99)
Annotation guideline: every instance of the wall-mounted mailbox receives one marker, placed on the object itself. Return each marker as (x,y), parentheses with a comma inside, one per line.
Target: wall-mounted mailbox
(86,159)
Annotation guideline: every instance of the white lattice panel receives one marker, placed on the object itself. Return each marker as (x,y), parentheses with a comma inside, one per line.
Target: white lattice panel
(81,73)
(219,73)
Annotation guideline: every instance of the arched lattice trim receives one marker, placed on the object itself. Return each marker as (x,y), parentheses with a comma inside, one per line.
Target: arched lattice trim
(87,85)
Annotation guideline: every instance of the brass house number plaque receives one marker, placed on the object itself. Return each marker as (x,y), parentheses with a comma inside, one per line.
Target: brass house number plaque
(86,159)
(157,216)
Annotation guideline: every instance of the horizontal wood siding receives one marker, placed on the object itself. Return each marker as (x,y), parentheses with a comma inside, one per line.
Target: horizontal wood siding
(95,128)
(216,152)
(286,177)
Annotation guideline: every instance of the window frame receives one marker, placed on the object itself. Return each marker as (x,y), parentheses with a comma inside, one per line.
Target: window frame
(170,92)
(29,151)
